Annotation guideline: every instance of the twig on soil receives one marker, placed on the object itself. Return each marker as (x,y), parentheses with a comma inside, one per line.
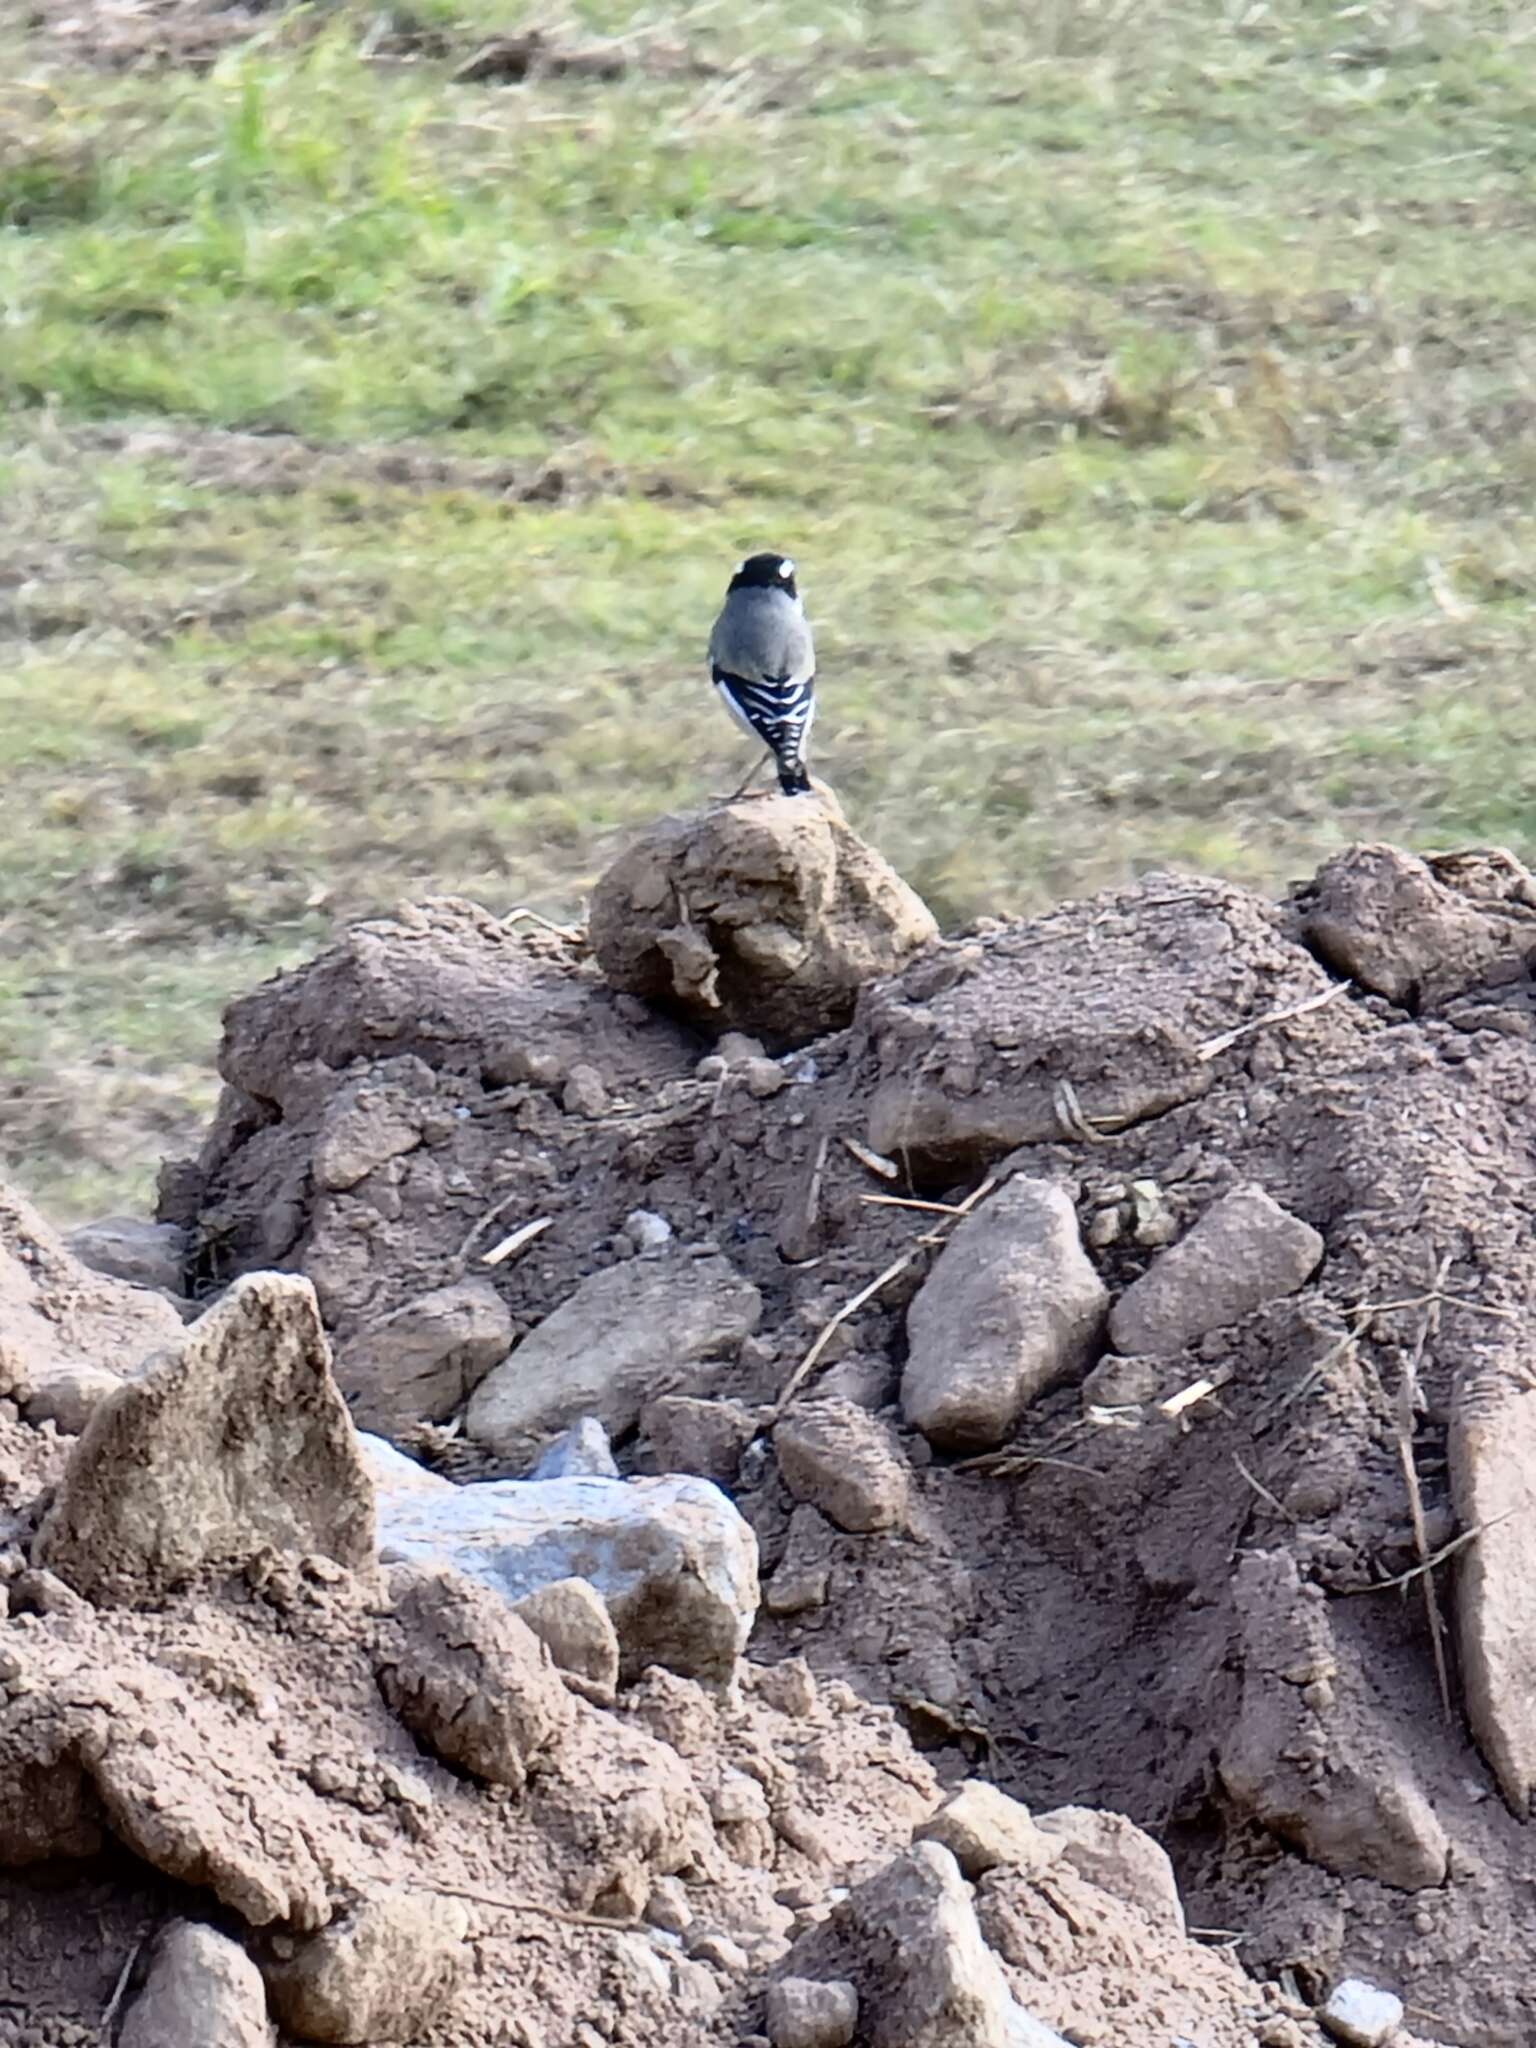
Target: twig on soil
(813,1191)
(524,1905)
(120,1988)
(573,934)
(823,1337)
(1407,1406)
(524,1234)
(1262,1490)
(912,1202)
(1070,1115)
(875,1161)
(1445,1551)
(1219,1044)
(492,1215)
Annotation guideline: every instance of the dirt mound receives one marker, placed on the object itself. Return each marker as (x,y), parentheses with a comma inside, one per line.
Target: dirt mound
(1144,1307)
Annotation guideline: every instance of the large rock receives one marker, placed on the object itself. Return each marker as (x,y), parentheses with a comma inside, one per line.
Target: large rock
(908,1939)
(1493,1483)
(385,1972)
(1120,1858)
(1091,1018)
(624,1335)
(764,916)
(1402,928)
(469,1677)
(202,1991)
(982,1827)
(62,1325)
(237,1442)
(1012,1307)
(422,1363)
(675,1563)
(128,1248)
(1244,1251)
(1311,1754)
(839,1458)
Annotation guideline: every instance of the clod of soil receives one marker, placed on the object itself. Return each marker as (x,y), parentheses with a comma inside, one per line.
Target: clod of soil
(763,916)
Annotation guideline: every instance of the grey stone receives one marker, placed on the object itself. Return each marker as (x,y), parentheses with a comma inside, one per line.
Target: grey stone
(803,2013)
(633,1331)
(1012,1307)
(202,1991)
(127,1248)
(1244,1251)
(839,1458)
(1493,1484)
(1360,2015)
(68,1395)
(236,1442)
(674,1562)
(423,1361)
(582,1451)
(647,1231)
(982,1828)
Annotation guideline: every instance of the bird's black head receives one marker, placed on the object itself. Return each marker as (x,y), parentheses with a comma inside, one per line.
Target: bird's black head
(765,572)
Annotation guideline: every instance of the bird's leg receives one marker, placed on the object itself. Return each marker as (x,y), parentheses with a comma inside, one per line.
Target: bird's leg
(757,770)
(743,788)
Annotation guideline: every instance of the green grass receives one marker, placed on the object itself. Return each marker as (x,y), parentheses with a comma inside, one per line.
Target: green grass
(1148,395)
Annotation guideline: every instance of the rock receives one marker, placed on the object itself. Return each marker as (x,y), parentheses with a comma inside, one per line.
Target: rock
(1386,919)
(982,1827)
(127,1248)
(647,1231)
(703,1437)
(765,916)
(237,1442)
(570,1619)
(1244,1251)
(1360,2015)
(585,1092)
(804,1572)
(1116,1855)
(386,1971)
(674,1562)
(839,1458)
(1012,1307)
(371,1121)
(422,1363)
(1493,1484)
(805,2014)
(1310,1764)
(469,1677)
(1089,1016)
(60,1317)
(202,1991)
(908,1939)
(668,1906)
(68,1395)
(621,1337)
(580,1452)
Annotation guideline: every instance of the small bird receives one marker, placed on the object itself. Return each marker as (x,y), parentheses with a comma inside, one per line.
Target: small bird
(762,660)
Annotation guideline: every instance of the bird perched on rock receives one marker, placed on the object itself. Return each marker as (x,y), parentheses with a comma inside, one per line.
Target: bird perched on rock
(762,660)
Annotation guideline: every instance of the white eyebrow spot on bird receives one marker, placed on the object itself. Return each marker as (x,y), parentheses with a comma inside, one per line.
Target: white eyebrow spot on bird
(739,566)
(786,568)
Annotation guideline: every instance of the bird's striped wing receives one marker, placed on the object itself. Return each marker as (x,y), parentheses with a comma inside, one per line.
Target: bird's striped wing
(775,709)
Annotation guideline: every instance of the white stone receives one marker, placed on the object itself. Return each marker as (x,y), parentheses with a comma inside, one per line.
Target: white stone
(1360,2015)
(674,1562)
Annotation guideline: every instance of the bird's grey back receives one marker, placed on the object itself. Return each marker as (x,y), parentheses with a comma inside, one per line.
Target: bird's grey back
(761,634)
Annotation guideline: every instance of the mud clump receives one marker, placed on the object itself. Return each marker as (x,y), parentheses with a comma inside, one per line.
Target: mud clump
(764,916)
(1098,1345)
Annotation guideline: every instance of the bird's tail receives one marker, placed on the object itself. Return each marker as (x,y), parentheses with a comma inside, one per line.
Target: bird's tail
(793,780)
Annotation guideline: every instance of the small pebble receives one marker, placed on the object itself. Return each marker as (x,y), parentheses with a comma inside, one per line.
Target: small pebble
(646,1230)
(805,2014)
(1360,2014)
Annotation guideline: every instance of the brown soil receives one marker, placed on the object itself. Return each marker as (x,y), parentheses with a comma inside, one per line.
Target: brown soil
(1108,1612)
